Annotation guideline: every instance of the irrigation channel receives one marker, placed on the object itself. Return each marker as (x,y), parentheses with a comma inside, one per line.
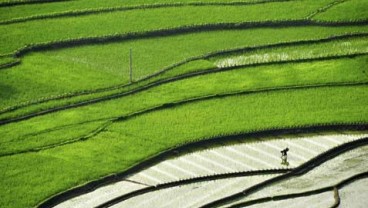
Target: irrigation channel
(318,166)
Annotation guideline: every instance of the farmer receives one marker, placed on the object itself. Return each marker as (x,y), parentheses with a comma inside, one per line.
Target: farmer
(284,152)
(284,157)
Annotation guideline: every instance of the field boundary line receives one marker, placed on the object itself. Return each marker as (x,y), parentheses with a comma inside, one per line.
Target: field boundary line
(9,65)
(23,2)
(325,8)
(63,143)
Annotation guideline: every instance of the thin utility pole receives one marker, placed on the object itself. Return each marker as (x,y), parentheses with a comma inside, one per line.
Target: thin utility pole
(131,66)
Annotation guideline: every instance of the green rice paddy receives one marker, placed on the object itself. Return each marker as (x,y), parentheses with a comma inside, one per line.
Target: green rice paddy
(69,113)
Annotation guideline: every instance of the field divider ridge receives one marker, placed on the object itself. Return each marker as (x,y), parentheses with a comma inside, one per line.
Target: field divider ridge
(325,8)
(23,2)
(10,64)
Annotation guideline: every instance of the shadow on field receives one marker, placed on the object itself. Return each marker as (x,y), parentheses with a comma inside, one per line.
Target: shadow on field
(6,92)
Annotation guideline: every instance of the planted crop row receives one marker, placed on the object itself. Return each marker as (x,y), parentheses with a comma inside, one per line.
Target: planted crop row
(7,13)
(173,31)
(37,136)
(75,13)
(152,60)
(107,148)
(65,43)
(94,127)
(125,22)
(71,105)
(175,72)
(301,52)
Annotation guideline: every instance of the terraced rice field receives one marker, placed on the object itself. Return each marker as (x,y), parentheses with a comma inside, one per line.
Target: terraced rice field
(143,103)
(331,174)
(211,174)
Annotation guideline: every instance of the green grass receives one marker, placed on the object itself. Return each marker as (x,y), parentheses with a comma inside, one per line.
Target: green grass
(127,143)
(353,10)
(39,132)
(6,60)
(15,36)
(77,5)
(301,52)
(98,66)
(25,1)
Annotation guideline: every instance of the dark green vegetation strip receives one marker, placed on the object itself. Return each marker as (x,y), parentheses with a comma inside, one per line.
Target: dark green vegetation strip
(304,168)
(106,24)
(7,13)
(179,30)
(75,13)
(22,2)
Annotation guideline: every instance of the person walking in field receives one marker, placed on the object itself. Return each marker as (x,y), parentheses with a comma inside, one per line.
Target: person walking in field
(284,152)
(284,156)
